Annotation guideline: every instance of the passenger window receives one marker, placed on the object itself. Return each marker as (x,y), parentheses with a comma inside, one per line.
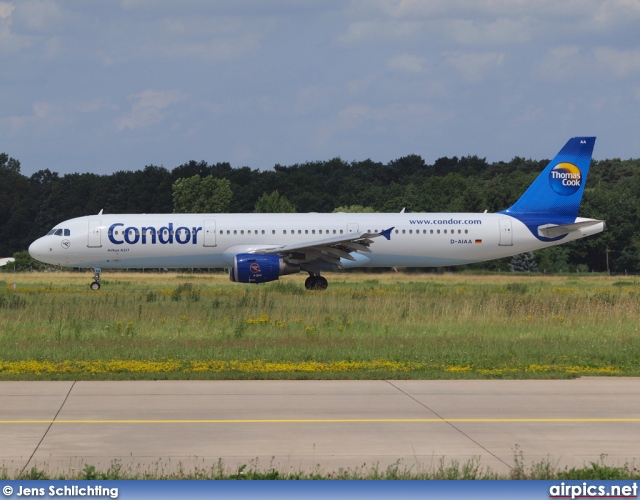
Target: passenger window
(284,231)
(438,231)
(403,231)
(313,231)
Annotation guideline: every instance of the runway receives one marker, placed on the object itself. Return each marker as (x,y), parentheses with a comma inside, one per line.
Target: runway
(321,425)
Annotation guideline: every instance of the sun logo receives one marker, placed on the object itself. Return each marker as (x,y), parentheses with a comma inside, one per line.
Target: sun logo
(565,178)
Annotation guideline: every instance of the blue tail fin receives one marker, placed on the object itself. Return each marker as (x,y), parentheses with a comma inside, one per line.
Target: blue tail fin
(555,196)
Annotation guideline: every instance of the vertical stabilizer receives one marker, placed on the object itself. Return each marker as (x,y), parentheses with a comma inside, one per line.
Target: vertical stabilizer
(556,194)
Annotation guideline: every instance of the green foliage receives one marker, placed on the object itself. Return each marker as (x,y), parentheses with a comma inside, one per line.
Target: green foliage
(24,262)
(442,470)
(8,164)
(31,206)
(553,259)
(352,209)
(418,323)
(201,195)
(524,262)
(273,204)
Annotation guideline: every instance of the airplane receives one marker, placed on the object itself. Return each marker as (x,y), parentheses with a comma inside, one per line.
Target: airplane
(259,248)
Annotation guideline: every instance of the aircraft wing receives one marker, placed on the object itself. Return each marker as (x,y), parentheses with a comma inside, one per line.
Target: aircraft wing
(329,250)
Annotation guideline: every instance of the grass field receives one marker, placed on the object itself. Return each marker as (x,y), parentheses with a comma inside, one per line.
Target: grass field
(370,326)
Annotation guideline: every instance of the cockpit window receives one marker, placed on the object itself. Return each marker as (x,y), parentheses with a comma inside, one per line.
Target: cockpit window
(59,232)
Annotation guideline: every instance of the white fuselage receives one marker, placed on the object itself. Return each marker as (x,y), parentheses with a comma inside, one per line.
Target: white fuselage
(212,240)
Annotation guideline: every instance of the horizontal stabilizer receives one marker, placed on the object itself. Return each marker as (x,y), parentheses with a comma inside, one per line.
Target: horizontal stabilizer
(553,231)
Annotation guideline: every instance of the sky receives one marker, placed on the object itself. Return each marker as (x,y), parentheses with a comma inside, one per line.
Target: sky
(102,86)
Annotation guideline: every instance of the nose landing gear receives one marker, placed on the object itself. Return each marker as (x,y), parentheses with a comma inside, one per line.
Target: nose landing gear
(96,279)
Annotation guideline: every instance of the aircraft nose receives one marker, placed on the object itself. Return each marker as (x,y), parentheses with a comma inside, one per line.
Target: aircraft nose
(38,249)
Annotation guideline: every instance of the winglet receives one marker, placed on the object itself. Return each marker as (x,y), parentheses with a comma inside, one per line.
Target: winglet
(387,233)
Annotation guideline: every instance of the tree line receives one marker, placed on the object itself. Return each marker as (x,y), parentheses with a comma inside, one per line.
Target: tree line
(31,206)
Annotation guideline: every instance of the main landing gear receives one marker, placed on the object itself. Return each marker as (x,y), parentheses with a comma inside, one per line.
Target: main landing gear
(315,282)
(96,279)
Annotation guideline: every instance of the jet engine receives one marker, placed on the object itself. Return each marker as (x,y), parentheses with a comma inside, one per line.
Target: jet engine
(259,268)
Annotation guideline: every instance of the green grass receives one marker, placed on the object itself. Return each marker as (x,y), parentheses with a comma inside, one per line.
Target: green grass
(453,470)
(424,326)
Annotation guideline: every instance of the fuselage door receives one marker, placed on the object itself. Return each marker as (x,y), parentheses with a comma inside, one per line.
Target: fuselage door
(352,227)
(506,236)
(94,234)
(209,233)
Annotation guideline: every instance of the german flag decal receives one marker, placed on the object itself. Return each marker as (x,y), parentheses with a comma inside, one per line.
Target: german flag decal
(478,242)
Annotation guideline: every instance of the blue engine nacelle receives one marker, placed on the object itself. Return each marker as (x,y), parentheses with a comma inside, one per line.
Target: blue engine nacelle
(259,268)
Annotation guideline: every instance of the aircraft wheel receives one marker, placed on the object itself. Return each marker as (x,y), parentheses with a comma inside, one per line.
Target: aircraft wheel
(321,283)
(95,286)
(308,283)
(316,283)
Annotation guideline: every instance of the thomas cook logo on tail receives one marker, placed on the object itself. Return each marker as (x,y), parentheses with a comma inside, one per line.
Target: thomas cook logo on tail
(565,178)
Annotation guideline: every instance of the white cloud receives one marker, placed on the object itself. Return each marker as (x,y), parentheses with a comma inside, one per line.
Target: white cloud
(361,85)
(474,66)
(482,32)
(212,38)
(406,63)
(312,98)
(377,30)
(91,106)
(10,42)
(147,108)
(40,15)
(562,63)
(358,113)
(619,62)
(43,110)
(6,9)
(44,113)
